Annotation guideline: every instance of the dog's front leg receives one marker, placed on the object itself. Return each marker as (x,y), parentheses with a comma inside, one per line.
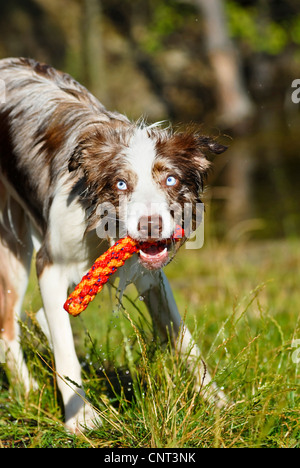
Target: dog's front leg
(160,301)
(53,286)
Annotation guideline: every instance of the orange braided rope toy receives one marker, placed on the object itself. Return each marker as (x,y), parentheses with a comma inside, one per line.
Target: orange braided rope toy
(105,266)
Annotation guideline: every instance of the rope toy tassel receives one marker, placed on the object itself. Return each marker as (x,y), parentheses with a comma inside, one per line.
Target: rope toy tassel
(105,266)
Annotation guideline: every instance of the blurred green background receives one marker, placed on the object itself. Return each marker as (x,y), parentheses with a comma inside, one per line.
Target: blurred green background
(227,66)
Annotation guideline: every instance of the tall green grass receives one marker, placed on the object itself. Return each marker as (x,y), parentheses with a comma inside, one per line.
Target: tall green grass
(242,304)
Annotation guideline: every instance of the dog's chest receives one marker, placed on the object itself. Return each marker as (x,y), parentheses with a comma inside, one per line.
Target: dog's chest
(67,239)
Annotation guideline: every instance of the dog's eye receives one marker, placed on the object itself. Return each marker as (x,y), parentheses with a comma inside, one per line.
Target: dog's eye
(171,181)
(121,185)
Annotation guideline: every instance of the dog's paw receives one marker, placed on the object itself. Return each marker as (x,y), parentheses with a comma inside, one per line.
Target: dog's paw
(85,419)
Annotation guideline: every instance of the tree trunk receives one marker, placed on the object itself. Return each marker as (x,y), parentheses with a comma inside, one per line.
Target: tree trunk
(235,110)
(92,50)
(234,103)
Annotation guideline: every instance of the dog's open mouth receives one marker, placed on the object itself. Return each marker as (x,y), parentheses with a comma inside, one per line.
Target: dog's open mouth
(154,255)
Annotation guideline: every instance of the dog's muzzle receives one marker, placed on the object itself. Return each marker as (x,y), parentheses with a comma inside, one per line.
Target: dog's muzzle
(154,250)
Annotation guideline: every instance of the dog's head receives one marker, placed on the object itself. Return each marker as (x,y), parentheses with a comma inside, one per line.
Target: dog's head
(140,181)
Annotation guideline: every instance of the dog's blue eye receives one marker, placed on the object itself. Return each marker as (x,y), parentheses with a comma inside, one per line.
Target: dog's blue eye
(171,181)
(121,185)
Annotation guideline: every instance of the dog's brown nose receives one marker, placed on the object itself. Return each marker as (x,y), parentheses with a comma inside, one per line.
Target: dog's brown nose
(150,227)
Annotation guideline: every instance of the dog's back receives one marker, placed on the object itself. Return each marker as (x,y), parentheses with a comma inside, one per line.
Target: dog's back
(44,112)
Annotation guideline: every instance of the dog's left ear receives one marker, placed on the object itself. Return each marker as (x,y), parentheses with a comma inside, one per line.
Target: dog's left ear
(208,143)
(203,145)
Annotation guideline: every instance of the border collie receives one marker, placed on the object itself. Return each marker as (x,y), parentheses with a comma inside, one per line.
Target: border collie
(62,156)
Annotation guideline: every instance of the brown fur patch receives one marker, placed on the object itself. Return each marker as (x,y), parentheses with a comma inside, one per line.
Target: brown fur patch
(100,157)
(183,155)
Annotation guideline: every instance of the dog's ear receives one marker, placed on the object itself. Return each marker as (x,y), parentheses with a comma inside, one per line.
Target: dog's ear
(201,147)
(208,143)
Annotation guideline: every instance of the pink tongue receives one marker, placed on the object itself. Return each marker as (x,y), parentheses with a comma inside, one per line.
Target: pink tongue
(154,256)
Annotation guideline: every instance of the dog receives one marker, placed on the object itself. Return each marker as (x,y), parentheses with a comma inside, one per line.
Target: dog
(63,156)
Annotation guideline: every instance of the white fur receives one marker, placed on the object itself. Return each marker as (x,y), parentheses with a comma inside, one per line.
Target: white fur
(147,199)
(53,285)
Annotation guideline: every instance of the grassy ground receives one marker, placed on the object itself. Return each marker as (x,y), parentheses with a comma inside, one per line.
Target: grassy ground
(242,303)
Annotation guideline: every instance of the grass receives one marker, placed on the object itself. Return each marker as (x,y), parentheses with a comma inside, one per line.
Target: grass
(242,304)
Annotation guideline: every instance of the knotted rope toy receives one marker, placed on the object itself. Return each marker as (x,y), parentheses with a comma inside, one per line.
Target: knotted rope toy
(105,266)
